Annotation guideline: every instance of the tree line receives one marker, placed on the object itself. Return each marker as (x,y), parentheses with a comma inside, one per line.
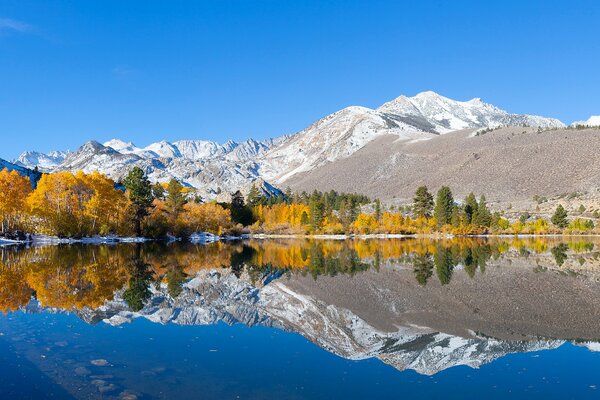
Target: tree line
(64,204)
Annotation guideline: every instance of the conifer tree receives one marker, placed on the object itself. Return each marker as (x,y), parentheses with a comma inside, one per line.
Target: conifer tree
(254,197)
(470,207)
(482,216)
(559,218)
(140,194)
(239,212)
(317,210)
(377,210)
(444,205)
(423,202)
(175,198)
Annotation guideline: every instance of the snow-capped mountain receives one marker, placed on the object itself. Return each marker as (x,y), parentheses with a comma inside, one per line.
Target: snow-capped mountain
(594,120)
(44,162)
(213,168)
(336,136)
(434,113)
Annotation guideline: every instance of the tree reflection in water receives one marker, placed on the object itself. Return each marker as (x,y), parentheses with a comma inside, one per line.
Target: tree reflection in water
(78,276)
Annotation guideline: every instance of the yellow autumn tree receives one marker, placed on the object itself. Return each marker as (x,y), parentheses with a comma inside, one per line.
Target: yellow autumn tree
(107,206)
(365,224)
(207,217)
(14,190)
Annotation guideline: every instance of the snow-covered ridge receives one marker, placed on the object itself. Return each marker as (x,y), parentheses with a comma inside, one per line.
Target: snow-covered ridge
(594,120)
(215,168)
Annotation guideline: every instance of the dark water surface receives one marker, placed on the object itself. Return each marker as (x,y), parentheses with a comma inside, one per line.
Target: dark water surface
(300,319)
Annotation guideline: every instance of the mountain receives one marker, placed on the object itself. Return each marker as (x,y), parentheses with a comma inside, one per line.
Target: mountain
(44,162)
(594,120)
(506,164)
(34,176)
(438,114)
(293,160)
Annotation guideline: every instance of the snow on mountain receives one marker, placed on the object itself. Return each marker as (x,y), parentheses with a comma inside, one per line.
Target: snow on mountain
(122,147)
(198,149)
(336,136)
(594,120)
(214,168)
(44,162)
(435,113)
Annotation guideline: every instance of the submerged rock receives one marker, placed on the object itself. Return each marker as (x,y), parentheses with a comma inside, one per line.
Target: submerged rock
(100,363)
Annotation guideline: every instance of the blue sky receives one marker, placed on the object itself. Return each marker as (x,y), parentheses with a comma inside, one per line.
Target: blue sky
(72,71)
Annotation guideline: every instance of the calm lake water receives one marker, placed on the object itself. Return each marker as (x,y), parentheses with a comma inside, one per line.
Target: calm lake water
(301,319)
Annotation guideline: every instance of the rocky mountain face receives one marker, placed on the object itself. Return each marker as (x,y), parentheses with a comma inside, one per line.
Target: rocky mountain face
(214,168)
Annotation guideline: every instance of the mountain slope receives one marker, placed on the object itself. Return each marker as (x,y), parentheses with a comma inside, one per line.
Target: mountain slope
(506,164)
(297,159)
(34,176)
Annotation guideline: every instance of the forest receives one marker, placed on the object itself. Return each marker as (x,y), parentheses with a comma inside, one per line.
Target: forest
(80,205)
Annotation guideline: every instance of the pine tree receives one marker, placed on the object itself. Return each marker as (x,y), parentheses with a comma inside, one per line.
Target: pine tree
(455,219)
(470,207)
(559,218)
(288,195)
(175,198)
(140,194)
(444,205)
(377,210)
(423,202)
(482,216)
(317,210)
(239,212)
(158,191)
(254,197)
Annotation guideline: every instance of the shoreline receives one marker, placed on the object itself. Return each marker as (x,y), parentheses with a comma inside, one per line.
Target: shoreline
(207,238)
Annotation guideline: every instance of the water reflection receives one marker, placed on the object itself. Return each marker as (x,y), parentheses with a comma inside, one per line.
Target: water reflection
(415,304)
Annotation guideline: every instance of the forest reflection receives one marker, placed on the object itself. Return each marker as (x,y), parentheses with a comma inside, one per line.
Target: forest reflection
(77,276)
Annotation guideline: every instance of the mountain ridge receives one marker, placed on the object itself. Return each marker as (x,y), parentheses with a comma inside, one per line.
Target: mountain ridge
(213,168)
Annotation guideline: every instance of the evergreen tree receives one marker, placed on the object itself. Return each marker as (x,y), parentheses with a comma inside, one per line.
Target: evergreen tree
(239,212)
(255,197)
(559,218)
(288,195)
(455,220)
(377,210)
(175,198)
(482,216)
(470,207)
(423,202)
(158,191)
(140,194)
(347,213)
(444,204)
(317,210)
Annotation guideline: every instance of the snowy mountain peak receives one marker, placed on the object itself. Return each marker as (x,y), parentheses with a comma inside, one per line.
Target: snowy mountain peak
(121,146)
(434,113)
(594,120)
(44,162)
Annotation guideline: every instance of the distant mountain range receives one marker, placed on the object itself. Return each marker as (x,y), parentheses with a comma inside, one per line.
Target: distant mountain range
(214,168)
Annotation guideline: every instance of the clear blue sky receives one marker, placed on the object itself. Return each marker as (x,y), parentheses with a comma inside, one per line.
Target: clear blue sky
(148,70)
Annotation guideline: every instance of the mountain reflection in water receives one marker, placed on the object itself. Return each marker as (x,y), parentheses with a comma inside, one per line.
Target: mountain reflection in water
(416,304)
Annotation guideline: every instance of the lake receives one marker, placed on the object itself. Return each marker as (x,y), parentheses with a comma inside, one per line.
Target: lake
(302,319)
